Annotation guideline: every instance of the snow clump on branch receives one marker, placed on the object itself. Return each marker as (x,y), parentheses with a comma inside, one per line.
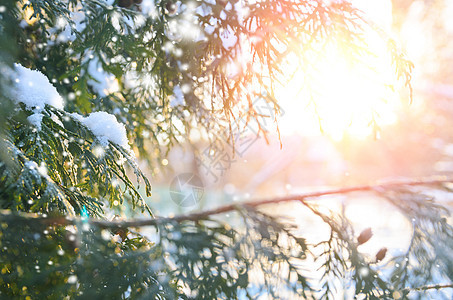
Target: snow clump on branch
(106,128)
(33,89)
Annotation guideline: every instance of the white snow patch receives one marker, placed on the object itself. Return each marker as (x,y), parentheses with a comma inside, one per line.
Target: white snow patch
(229,39)
(109,2)
(35,120)
(116,21)
(68,33)
(209,28)
(41,169)
(223,15)
(203,10)
(106,128)
(149,8)
(103,83)
(120,22)
(242,11)
(178,97)
(138,21)
(32,88)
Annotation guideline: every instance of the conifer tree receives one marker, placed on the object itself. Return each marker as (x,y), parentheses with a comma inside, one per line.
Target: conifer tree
(89,88)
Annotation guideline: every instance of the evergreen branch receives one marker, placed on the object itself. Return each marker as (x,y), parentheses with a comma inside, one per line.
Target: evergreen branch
(435,180)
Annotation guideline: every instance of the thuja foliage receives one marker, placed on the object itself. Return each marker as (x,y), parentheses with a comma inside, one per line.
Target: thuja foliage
(258,255)
(165,68)
(74,172)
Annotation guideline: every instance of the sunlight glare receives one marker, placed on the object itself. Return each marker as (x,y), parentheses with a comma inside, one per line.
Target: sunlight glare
(345,97)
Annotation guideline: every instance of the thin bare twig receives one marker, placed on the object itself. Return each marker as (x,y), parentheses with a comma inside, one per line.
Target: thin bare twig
(430,287)
(203,215)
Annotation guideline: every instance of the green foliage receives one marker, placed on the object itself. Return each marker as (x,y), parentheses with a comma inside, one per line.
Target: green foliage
(260,255)
(75,261)
(429,253)
(62,170)
(151,54)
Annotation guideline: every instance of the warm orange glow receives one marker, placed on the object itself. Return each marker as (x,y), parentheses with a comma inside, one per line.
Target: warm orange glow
(344,98)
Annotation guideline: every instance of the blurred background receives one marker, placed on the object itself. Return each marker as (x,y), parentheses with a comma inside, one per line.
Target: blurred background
(354,130)
(356,127)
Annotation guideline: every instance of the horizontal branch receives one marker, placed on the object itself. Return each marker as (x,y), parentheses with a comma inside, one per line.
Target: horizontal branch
(430,287)
(203,215)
